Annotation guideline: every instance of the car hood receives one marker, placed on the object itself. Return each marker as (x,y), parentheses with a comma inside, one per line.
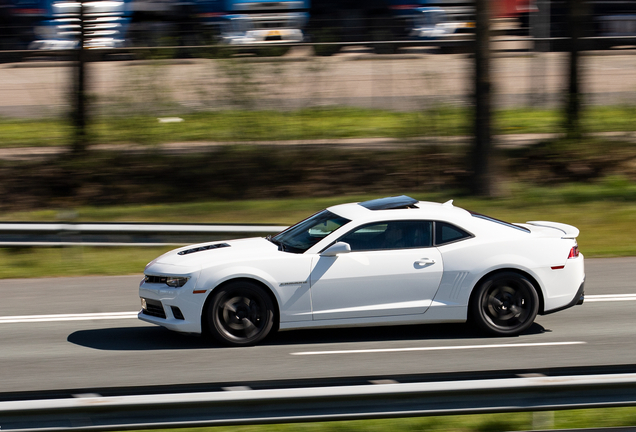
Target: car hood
(192,258)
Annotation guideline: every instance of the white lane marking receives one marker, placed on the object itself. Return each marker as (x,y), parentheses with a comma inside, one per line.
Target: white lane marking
(67,317)
(610,298)
(436,348)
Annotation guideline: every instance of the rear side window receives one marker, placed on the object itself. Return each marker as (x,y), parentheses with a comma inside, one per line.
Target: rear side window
(446,233)
(492,219)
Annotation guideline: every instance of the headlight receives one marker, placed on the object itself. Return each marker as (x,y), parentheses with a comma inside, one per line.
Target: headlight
(171,281)
(176,282)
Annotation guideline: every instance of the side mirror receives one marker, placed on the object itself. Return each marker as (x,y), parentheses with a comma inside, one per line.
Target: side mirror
(337,249)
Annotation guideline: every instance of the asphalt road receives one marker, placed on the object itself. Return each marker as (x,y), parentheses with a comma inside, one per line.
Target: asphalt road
(84,354)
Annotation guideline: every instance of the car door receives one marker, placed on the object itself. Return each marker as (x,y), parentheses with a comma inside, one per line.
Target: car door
(392,269)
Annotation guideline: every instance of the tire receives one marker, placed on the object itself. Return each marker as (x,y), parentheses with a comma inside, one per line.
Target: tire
(505,304)
(240,314)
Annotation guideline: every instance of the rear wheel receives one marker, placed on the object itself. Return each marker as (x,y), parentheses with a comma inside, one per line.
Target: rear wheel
(240,314)
(505,304)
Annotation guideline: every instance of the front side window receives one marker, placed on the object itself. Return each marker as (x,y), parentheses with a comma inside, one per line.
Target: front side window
(390,235)
(305,234)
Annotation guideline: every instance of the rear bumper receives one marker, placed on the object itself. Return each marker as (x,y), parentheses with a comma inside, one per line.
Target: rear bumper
(578,299)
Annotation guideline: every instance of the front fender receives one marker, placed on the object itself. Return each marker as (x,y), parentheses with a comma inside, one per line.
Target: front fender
(287,280)
(211,279)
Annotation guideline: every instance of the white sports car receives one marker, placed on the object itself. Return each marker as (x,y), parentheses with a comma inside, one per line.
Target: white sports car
(393,260)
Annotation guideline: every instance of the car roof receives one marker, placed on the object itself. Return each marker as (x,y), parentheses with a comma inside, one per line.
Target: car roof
(400,207)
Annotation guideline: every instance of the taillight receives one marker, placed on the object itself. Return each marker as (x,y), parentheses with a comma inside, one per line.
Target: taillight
(574,252)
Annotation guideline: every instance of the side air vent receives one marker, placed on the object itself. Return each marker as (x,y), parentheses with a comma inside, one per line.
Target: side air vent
(390,203)
(204,248)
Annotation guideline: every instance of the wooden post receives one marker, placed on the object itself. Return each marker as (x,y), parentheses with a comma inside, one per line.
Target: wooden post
(482,183)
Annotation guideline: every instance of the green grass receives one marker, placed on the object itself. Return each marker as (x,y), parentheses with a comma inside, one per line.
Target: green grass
(74,261)
(34,133)
(309,124)
(605,214)
(306,124)
(610,417)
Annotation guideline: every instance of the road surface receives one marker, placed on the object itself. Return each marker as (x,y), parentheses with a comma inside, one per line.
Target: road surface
(95,341)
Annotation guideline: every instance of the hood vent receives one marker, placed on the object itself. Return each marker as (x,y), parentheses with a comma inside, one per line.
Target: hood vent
(204,248)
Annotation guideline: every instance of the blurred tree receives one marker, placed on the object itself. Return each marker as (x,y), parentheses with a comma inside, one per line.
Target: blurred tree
(482,181)
(576,13)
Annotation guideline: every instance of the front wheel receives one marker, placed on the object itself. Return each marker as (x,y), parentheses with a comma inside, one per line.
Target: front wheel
(240,314)
(505,304)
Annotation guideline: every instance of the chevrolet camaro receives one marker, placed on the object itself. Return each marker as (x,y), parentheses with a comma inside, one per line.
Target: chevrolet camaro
(393,260)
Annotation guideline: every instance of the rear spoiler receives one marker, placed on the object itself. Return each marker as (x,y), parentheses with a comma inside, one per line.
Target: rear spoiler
(569,232)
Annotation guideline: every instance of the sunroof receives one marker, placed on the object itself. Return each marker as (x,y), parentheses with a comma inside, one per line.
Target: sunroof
(390,203)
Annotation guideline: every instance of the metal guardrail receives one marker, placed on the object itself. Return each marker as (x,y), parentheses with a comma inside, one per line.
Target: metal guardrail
(34,234)
(245,406)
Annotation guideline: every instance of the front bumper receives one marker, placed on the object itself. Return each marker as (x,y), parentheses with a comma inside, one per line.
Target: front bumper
(177,309)
(171,323)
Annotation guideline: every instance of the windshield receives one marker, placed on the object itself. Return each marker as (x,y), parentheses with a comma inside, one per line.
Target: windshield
(305,234)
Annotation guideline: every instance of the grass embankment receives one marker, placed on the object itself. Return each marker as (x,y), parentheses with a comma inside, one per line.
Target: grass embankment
(605,214)
(307,124)
(593,418)
(603,208)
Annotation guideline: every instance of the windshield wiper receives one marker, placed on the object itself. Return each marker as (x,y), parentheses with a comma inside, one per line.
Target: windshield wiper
(284,247)
(280,244)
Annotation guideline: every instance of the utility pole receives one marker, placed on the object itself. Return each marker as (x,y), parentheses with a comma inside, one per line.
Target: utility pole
(482,183)
(540,31)
(575,15)
(79,91)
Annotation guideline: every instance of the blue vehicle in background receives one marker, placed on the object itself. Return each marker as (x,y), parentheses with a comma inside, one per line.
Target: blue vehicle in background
(105,25)
(384,21)
(55,24)
(50,25)
(433,19)
(18,20)
(249,22)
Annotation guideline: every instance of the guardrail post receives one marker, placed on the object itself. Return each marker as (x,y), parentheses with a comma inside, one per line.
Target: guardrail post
(543,420)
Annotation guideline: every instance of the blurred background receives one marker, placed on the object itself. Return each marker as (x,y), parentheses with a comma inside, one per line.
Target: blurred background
(264,112)
(144,101)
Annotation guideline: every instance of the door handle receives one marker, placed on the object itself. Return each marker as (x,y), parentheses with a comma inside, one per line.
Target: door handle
(425,261)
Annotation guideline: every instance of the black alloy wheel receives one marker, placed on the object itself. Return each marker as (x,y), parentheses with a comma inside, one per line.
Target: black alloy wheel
(505,304)
(240,314)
